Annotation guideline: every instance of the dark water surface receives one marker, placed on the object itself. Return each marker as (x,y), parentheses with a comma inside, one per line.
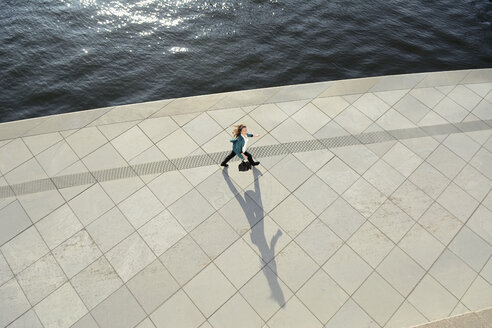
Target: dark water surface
(59,56)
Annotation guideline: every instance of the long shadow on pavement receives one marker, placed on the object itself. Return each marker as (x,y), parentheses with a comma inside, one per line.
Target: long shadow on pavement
(255,214)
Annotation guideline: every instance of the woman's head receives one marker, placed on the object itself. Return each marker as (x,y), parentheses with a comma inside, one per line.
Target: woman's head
(239,129)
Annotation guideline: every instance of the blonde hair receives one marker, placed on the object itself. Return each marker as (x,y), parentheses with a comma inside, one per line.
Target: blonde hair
(238,128)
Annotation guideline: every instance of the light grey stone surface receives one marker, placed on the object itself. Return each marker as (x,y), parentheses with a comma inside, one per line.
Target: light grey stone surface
(371,208)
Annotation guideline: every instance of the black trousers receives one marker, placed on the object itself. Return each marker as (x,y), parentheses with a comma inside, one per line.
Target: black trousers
(232,154)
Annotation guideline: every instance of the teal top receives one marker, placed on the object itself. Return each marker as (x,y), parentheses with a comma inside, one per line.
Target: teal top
(238,143)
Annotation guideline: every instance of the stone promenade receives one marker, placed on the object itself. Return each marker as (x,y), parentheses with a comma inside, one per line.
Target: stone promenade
(372,207)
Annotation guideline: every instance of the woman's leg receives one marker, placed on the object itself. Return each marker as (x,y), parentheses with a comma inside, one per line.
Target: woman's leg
(250,159)
(228,158)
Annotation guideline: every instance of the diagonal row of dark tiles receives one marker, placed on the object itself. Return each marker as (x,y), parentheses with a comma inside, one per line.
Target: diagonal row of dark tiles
(194,161)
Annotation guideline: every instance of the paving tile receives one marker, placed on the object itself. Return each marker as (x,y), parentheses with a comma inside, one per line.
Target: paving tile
(96,282)
(13,220)
(76,253)
(372,106)
(38,143)
(314,160)
(471,248)
(481,224)
(293,266)
(351,315)
(301,91)
(177,144)
(411,199)
(384,177)
(342,218)
(432,118)
(352,120)
(392,221)
(214,235)
(239,263)
(268,116)
(266,293)
(62,308)
(331,106)
(242,212)
(195,129)
(86,321)
(5,272)
(191,216)
(311,118)
(486,272)
(430,180)
(131,143)
(26,172)
(330,130)
(292,216)
(236,312)
(209,289)
(13,154)
(422,146)
(392,120)
(140,207)
(428,96)
(56,158)
(58,226)
(290,172)
(178,311)
(462,145)
(347,269)
(41,278)
(364,197)
(226,117)
(158,128)
(294,314)
(111,131)
(28,320)
(406,316)
(411,108)
(450,110)
(319,241)
(196,175)
(481,161)
(402,159)
(289,130)
(99,200)
(322,296)
(268,191)
(13,303)
(38,205)
(370,244)
(440,223)
(453,273)
(23,250)
(263,239)
(152,286)
(473,182)
(166,194)
(421,246)
(120,189)
(446,162)
(464,96)
(86,140)
(338,175)
(218,189)
(358,157)
(378,298)
(482,110)
(119,310)
(458,202)
(111,228)
(400,271)
(291,107)
(391,97)
(431,299)
(315,194)
(196,259)
(478,295)
(162,232)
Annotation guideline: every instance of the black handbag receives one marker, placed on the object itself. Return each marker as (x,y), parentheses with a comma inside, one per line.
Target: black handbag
(244,166)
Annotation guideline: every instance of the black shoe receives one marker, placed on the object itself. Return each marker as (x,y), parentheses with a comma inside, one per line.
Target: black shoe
(255,163)
(224,164)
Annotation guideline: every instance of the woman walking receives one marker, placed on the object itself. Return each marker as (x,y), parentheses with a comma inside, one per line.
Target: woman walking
(239,145)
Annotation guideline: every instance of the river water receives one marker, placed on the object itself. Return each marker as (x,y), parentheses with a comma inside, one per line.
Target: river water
(58,56)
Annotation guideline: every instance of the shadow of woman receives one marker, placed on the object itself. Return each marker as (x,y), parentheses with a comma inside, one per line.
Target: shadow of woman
(255,214)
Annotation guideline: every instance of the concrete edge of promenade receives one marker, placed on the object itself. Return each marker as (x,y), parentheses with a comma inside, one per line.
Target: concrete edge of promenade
(246,98)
